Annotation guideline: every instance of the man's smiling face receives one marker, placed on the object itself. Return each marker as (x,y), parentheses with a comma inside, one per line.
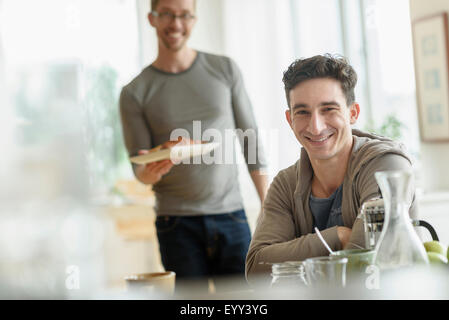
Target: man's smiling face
(320,118)
(174,33)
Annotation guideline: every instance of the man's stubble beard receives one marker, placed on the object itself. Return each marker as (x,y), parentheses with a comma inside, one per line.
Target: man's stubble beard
(172,48)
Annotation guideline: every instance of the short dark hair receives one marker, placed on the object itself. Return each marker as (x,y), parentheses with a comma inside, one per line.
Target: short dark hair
(154,4)
(321,66)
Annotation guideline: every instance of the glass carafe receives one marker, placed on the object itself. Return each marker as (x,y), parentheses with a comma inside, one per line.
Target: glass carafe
(399,244)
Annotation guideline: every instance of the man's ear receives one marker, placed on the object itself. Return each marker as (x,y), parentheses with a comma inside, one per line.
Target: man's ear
(288,116)
(354,111)
(151,19)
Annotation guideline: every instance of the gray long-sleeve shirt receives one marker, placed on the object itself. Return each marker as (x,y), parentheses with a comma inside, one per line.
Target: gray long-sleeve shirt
(208,101)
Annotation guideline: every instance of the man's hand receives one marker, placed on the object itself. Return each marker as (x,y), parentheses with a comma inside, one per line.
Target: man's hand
(153,172)
(344,233)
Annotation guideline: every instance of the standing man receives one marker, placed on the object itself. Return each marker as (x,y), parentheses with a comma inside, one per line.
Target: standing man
(334,175)
(201,225)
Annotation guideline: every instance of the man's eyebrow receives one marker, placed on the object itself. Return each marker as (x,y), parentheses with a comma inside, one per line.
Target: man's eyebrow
(322,104)
(171,10)
(330,103)
(300,105)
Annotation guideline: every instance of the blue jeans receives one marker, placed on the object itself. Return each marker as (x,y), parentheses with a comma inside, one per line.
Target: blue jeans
(204,246)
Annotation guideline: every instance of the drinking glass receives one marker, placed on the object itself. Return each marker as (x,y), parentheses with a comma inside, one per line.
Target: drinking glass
(326,271)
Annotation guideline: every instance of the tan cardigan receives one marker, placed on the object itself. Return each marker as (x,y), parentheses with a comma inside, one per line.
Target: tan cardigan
(284,228)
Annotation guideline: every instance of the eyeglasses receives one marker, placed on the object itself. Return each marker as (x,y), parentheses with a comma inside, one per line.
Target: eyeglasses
(167,16)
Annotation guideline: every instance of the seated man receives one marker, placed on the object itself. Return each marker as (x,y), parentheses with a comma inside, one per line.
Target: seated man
(334,176)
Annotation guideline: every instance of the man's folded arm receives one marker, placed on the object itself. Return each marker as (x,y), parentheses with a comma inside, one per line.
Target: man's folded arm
(276,238)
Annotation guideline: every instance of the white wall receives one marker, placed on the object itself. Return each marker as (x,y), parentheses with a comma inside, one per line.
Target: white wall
(147,36)
(434,173)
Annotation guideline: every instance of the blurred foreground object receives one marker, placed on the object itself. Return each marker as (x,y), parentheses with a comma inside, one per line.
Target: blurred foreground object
(50,238)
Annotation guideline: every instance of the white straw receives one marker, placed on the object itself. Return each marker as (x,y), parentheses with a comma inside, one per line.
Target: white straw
(322,240)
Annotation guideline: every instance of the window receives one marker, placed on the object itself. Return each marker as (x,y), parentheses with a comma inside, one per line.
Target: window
(265,36)
(70,58)
(389,66)
(374,35)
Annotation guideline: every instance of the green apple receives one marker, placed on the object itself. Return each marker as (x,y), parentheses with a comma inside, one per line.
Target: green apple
(436,258)
(435,246)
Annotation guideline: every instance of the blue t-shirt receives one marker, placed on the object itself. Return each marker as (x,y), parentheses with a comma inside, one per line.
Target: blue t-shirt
(327,212)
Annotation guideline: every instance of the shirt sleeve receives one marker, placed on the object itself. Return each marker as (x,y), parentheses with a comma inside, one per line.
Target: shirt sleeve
(368,189)
(246,127)
(367,184)
(136,132)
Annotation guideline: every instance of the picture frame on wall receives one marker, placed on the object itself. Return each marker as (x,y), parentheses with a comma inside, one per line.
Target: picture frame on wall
(431,47)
